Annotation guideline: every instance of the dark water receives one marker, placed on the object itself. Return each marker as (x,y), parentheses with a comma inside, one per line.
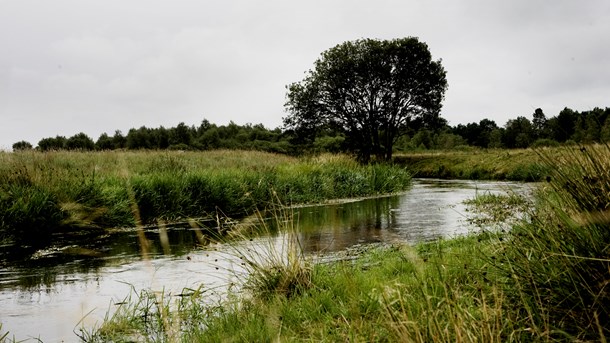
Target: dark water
(58,290)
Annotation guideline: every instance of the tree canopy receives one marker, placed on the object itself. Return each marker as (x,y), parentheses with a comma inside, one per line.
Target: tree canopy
(370,91)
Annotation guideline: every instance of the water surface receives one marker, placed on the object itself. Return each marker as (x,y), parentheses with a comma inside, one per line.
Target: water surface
(59,289)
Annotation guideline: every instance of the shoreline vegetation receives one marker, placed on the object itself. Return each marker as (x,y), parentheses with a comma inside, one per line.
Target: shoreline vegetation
(62,192)
(546,280)
(479,164)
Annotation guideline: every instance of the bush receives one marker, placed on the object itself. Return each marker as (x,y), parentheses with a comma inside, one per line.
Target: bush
(544,142)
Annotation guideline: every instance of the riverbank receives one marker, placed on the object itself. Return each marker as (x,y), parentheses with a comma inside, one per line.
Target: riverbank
(478,164)
(544,280)
(42,194)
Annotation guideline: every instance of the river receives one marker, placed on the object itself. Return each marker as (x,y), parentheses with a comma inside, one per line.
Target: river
(50,295)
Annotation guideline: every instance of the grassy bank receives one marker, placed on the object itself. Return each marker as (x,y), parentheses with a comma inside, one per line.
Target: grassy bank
(545,280)
(46,193)
(477,164)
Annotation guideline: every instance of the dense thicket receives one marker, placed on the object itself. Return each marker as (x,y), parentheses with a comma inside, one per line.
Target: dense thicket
(567,127)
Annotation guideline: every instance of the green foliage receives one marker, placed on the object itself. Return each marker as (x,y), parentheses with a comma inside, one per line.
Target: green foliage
(49,144)
(29,215)
(22,145)
(358,89)
(544,142)
(80,141)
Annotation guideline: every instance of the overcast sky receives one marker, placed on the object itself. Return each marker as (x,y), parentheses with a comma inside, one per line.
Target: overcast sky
(97,66)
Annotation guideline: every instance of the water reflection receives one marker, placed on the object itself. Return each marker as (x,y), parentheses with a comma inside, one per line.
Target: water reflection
(54,288)
(431,209)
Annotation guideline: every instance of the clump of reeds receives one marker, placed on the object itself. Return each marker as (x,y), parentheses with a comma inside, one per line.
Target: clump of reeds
(557,265)
(148,316)
(270,253)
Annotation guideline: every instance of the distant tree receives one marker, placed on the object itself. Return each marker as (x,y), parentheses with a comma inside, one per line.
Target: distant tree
(605,131)
(22,145)
(422,139)
(80,141)
(447,140)
(495,138)
(104,142)
(210,139)
(518,133)
(203,127)
(477,134)
(562,126)
(181,134)
(119,140)
(57,143)
(332,144)
(588,127)
(369,90)
(540,124)
(159,138)
(138,139)
(486,127)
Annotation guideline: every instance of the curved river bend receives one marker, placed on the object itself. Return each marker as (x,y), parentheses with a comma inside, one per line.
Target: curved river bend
(63,288)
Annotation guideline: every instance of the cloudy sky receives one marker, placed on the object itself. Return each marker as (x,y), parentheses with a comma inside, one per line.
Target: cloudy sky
(97,66)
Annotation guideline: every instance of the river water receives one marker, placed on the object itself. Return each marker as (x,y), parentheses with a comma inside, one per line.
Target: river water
(52,294)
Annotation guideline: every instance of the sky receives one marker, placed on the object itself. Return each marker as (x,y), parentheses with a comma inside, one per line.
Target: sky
(95,66)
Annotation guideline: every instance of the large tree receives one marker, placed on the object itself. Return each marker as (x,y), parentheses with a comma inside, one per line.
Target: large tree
(369,90)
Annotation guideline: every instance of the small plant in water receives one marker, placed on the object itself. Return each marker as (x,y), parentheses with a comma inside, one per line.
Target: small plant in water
(273,264)
(490,208)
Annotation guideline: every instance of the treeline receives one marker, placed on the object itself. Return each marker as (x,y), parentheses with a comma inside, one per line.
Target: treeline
(567,127)
(206,136)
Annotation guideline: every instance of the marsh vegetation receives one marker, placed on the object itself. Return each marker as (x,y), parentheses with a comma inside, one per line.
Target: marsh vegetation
(544,280)
(44,194)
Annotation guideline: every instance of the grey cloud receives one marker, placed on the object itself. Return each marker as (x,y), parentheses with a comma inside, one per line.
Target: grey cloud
(97,66)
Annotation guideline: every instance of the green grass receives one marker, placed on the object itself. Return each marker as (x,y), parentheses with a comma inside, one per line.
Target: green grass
(546,280)
(44,193)
(388,294)
(478,164)
(490,208)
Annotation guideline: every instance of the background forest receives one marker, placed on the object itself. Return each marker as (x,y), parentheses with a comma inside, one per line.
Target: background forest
(567,127)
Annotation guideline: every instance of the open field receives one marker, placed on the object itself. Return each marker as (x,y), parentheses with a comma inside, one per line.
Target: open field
(544,280)
(478,164)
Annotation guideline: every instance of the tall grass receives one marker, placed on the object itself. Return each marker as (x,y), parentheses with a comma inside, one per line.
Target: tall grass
(557,265)
(545,280)
(267,268)
(44,193)
(477,164)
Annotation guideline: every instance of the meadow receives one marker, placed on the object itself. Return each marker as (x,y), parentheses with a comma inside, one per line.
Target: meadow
(46,193)
(479,164)
(545,280)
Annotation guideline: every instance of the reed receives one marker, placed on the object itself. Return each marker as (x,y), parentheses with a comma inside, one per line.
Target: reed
(557,266)
(46,193)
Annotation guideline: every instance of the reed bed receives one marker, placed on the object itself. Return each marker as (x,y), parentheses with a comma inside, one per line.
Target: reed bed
(46,193)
